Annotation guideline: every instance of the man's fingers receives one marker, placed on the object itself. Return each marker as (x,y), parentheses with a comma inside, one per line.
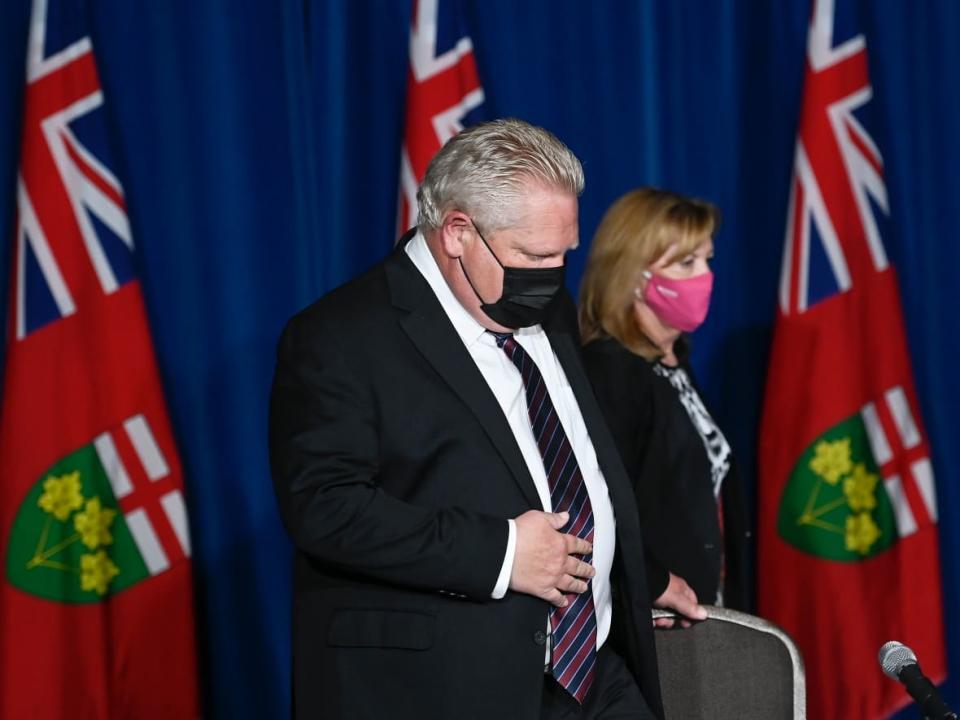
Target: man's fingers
(568,583)
(557,520)
(555,597)
(577,546)
(663,622)
(578,568)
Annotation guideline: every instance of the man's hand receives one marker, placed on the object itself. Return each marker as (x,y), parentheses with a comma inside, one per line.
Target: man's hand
(544,565)
(680,598)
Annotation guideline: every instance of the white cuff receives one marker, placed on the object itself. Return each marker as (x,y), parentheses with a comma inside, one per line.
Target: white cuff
(503,580)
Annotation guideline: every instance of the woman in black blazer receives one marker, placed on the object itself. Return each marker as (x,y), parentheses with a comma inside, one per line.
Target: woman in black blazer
(648,282)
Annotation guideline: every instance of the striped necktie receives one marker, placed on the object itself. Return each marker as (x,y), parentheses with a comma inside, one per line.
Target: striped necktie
(574,627)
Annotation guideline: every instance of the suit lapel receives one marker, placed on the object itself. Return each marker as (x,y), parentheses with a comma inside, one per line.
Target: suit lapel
(429,329)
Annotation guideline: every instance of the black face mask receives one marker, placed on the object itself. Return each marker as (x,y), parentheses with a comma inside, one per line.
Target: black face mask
(528,293)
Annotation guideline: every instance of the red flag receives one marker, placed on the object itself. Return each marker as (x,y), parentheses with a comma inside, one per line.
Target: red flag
(848,555)
(96,608)
(442,89)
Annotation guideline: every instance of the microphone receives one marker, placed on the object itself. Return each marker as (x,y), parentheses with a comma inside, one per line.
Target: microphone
(899,662)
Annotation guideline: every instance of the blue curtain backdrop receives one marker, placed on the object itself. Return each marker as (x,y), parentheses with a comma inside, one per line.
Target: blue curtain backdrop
(260,147)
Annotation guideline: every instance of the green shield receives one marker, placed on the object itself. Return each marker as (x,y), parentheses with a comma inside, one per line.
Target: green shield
(834,504)
(69,541)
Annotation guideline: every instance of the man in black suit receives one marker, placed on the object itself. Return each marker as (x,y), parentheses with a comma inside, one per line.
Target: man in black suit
(467,542)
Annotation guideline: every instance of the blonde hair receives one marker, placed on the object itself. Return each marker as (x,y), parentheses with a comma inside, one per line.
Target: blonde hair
(483,171)
(633,234)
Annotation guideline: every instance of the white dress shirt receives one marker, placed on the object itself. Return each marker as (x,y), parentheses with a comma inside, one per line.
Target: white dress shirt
(507,386)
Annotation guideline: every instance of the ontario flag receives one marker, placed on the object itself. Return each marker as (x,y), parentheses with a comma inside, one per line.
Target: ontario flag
(96,608)
(848,555)
(443,94)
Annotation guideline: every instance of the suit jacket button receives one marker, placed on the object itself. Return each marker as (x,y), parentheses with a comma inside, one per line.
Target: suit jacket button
(540,637)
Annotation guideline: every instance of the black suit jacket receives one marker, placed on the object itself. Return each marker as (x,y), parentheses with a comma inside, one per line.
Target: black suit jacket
(670,471)
(395,471)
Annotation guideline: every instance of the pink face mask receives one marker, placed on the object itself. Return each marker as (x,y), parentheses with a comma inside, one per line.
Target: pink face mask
(681,304)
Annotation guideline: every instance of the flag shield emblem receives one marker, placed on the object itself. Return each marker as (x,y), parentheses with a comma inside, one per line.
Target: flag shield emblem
(834,505)
(69,541)
(100,519)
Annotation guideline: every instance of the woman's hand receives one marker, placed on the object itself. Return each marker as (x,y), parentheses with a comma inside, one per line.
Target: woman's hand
(680,598)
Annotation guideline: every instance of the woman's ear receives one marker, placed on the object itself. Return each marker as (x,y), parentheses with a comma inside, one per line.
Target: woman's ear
(642,279)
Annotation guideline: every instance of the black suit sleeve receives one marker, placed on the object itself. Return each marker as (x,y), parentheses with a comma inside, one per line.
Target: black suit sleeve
(324,431)
(623,391)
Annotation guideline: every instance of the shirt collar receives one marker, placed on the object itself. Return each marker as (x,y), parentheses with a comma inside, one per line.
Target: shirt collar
(469,330)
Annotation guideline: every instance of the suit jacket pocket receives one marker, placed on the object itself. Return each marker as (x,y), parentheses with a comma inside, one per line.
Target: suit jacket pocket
(404,629)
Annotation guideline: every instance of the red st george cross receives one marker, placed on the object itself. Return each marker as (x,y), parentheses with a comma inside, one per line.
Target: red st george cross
(146,492)
(903,458)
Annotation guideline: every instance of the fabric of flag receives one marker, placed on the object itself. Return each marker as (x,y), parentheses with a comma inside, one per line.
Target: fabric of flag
(848,554)
(443,94)
(96,605)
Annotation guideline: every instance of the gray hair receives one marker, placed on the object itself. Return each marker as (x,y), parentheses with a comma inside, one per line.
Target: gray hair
(483,172)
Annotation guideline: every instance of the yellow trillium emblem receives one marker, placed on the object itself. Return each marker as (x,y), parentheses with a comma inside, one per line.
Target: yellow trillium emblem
(61,495)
